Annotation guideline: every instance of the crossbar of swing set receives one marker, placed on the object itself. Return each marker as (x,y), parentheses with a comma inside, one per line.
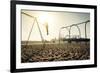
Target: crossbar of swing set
(76,24)
(28,15)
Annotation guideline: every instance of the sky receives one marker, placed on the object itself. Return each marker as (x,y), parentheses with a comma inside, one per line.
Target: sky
(54,21)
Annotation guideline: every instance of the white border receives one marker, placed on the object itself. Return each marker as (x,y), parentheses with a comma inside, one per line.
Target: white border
(20,65)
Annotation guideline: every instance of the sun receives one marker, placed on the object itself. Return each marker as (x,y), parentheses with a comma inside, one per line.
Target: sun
(43,20)
(43,17)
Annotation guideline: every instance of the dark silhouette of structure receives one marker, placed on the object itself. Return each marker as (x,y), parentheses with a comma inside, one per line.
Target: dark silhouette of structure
(34,20)
(68,28)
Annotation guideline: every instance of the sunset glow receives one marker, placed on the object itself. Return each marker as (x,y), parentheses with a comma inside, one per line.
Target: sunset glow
(50,24)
